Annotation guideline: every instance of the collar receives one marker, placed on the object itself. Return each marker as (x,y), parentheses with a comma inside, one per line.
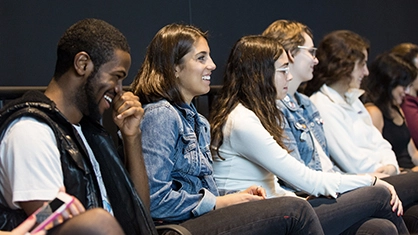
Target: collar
(350,96)
(292,104)
(353,94)
(189,111)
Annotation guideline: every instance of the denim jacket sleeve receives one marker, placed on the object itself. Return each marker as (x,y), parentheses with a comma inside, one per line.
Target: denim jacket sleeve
(168,167)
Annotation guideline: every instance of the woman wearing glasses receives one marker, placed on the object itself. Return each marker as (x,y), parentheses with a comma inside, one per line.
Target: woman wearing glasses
(247,140)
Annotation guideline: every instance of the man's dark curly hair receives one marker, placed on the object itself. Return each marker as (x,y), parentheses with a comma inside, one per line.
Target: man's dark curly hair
(96,37)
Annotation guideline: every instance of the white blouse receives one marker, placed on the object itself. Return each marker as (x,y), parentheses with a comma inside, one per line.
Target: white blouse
(354,143)
(253,157)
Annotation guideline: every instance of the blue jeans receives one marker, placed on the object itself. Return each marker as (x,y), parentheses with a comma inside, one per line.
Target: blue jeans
(283,215)
(350,210)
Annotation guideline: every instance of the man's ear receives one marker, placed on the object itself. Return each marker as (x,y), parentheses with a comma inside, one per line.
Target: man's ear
(83,64)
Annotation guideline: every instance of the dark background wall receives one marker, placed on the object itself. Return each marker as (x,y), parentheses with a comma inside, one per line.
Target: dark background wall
(30,30)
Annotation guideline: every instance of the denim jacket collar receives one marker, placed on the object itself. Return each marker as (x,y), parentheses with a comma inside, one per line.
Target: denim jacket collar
(188,111)
(294,105)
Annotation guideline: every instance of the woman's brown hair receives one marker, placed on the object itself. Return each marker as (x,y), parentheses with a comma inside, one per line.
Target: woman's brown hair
(338,52)
(156,78)
(249,80)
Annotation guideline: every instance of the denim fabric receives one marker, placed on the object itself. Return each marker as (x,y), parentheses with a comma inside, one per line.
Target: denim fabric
(175,142)
(301,121)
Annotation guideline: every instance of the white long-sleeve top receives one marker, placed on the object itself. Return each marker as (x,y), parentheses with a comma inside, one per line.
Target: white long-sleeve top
(354,143)
(253,157)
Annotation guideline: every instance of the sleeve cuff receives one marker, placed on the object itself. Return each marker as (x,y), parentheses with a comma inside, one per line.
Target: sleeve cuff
(205,205)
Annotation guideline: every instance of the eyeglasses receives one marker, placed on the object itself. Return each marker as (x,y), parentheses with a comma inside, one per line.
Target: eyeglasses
(311,50)
(284,70)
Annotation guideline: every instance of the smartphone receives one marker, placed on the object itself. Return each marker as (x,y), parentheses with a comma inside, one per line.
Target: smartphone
(46,214)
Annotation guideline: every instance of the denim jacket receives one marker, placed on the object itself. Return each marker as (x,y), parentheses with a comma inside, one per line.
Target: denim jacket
(175,142)
(302,123)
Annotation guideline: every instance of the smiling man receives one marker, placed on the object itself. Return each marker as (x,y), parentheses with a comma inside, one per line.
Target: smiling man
(55,139)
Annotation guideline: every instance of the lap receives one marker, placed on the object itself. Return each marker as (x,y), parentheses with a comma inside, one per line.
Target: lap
(283,215)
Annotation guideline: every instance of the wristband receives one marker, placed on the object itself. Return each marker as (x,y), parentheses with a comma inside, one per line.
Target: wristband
(375,179)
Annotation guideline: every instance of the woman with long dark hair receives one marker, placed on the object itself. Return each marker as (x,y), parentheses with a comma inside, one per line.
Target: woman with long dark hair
(385,89)
(409,53)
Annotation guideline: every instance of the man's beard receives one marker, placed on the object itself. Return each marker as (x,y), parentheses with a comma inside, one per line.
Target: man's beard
(86,101)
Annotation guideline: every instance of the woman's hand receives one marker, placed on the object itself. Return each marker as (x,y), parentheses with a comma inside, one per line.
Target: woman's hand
(253,193)
(395,202)
(387,169)
(256,190)
(74,209)
(24,228)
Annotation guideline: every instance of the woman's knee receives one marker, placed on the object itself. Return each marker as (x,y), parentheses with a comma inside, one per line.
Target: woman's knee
(411,219)
(99,216)
(377,193)
(93,222)
(378,227)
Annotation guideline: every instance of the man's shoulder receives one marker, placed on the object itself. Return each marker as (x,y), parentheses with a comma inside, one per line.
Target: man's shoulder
(31,103)
(24,126)
(27,122)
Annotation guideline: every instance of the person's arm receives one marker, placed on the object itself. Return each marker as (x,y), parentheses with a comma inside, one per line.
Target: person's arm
(32,165)
(354,142)
(376,115)
(160,136)
(410,109)
(413,152)
(251,140)
(253,193)
(377,119)
(24,228)
(127,114)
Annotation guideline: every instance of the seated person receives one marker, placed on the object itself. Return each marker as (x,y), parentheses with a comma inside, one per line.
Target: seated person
(354,143)
(385,89)
(55,139)
(175,141)
(409,53)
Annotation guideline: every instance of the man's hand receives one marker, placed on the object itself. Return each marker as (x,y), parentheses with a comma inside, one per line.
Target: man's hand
(127,113)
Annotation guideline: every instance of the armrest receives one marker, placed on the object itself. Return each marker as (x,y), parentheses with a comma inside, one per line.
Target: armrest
(173,227)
